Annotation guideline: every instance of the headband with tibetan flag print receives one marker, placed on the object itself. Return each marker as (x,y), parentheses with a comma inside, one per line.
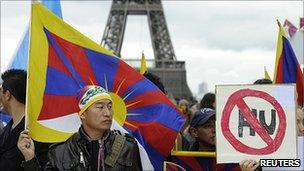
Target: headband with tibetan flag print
(89,95)
(62,61)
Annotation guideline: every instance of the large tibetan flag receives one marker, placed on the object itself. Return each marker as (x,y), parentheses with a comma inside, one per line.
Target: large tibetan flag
(287,68)
(62,60)
(19,60)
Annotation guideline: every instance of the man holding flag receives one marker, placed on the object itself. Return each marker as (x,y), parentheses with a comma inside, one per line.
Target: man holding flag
(64,61)
(94,146)
(12,94)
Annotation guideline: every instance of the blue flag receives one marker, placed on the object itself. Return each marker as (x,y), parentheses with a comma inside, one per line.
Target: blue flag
(19,60)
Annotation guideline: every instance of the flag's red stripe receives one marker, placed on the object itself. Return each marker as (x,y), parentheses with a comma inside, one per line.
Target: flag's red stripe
(192,162)
(238,168)
(161,138)
(56,106)
(78,58)
(125,76)
(279,78)
(55,62)
(149,98)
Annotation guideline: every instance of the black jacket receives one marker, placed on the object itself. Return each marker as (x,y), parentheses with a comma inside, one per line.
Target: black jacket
(78,153)
(10,156)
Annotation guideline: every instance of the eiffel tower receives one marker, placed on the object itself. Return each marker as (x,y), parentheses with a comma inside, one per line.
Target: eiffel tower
(171,71)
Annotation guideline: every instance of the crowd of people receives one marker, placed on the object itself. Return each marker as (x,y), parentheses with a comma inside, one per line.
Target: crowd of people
(95,146)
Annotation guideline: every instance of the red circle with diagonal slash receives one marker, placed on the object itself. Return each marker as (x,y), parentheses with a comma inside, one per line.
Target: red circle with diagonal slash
(237,99)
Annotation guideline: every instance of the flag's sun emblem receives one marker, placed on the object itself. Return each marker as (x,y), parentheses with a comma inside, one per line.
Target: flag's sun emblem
(119,108)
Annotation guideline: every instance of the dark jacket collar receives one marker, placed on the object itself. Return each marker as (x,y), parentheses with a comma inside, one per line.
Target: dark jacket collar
(9,137)
(85,136)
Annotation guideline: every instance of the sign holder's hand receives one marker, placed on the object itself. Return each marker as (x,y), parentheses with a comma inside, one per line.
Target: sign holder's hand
(26,145)
(249,165)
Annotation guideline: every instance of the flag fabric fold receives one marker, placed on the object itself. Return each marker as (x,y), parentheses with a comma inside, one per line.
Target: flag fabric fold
(287,68)
(169,166)
(64,60)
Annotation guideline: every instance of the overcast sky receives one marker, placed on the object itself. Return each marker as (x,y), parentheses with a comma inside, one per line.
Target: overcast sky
(222,41)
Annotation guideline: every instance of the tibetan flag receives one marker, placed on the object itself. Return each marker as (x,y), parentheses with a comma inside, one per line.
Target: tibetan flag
(143,64)
(203,164)
(290,28)
(19,60)
(266,75)
(62,60)
(287,68)
(302,23)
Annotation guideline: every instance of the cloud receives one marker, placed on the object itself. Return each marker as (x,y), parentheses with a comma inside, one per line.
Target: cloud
(216,66)
(229,25)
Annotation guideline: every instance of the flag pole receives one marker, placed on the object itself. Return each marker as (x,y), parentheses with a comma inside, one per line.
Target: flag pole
(26,123)
(278,22)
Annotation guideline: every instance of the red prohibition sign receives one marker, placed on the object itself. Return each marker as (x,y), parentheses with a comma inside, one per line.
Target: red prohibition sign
(237,99)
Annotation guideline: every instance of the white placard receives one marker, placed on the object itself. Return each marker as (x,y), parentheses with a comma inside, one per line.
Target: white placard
(255,122)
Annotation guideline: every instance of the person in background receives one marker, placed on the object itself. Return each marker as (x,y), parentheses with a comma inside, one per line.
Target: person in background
(208,101)
(183,136)
(202,129)
(263,81)
(183,106)
(13,94)
(195,106)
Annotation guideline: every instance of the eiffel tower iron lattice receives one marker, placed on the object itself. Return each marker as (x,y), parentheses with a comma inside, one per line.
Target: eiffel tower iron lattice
(171,71)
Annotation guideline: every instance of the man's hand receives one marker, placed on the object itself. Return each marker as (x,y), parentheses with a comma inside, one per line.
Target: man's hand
(249,165)
(26,145)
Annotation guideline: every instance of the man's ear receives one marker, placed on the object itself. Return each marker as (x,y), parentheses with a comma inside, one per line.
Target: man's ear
(7,95)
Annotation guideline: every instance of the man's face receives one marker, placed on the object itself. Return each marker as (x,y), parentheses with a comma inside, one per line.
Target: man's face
(99,115)
(4,98)
(206,133)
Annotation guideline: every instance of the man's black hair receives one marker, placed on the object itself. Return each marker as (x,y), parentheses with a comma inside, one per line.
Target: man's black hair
(207,101)
(263,81)
(14,81)
(156,80)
